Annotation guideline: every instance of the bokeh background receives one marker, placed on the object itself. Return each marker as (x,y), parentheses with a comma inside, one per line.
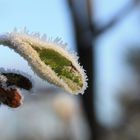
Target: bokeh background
(106,35)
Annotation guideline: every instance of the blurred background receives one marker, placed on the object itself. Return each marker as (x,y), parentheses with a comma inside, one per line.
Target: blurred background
(106,36)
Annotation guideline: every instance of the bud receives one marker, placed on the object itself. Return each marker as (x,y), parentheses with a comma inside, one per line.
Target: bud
(10,97)
(49,59)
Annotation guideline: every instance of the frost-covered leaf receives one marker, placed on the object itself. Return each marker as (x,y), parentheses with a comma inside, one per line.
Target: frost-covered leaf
(49,59)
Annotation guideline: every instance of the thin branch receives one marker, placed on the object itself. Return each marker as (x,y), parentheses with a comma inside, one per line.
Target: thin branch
(116,19)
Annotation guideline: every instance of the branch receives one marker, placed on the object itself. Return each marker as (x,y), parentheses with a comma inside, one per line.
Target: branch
(116,19)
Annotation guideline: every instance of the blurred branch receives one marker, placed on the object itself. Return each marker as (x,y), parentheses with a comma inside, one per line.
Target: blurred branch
(90,13)
(117,18)
(86,31)
(133,58)
(84,41)
(90,25)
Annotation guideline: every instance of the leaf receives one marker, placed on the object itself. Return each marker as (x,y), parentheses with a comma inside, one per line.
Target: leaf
(49,59)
